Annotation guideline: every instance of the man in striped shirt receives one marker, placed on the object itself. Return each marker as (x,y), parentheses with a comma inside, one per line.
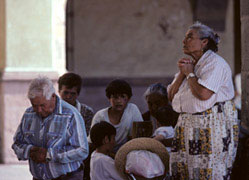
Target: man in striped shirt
(51,135)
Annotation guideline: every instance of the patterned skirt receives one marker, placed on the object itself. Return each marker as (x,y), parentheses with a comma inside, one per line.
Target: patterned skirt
(205,144)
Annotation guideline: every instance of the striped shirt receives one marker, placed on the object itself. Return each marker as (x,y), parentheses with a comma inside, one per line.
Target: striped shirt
(212,72)
(62,133)
(87,114)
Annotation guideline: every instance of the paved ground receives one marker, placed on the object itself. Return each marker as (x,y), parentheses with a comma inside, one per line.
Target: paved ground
(15,172)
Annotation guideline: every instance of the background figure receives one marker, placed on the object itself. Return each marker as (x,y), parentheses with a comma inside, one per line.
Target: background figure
(206,134)
(156,97)
(69,90)
(51,135)
(166,120)
(242,158)
(237,99)
(102,165)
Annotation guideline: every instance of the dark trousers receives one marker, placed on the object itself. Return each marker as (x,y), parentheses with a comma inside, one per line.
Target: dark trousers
(76,175)
(241,165)
(87,163)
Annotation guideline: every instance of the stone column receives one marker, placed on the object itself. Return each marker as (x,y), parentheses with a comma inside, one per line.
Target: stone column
(244,17)
(32,35)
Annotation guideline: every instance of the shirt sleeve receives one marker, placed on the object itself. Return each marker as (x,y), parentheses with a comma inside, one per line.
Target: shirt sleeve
(95,120)
(137,116)
(168,87)
(77,145)
(87,113)
(212,76)
(166,132)
(20,146)
(109,170)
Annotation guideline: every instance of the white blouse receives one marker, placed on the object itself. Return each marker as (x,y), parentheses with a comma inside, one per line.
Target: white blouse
(103,167)
(214,73)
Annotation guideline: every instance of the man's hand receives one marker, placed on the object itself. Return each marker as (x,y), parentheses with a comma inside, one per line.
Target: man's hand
(38,154)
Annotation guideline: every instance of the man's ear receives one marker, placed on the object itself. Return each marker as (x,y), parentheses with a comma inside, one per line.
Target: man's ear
(53,96)
(105,140)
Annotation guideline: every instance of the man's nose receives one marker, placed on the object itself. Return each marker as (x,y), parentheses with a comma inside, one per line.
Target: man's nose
(184,40)
(118,99)
(39,109)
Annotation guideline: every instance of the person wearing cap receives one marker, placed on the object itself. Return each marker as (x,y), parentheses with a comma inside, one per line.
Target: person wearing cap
(206,134)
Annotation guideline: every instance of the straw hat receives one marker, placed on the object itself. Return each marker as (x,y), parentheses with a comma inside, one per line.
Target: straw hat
(143,143)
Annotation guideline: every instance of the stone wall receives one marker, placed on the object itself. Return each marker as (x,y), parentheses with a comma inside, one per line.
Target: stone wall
(142,38)
(245,62)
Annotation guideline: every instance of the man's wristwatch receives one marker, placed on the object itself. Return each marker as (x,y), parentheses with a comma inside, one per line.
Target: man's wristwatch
(190,75)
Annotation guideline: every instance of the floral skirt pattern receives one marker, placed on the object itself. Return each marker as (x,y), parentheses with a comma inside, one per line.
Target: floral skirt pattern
(205,144)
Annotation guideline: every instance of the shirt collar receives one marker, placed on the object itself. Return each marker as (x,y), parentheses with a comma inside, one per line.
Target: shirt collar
(78,105)
(203,57)
(58,107)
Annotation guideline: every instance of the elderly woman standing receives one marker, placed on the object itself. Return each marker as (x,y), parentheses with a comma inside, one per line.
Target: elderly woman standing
(206,134)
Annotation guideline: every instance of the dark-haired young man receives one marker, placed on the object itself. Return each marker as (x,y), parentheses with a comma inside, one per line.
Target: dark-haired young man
(69,90)
(121,114)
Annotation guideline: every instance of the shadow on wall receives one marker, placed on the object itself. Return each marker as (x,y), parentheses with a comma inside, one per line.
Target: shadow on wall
(93,91)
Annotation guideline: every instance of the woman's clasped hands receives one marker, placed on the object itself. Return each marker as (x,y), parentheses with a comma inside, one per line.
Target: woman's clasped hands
(186,66)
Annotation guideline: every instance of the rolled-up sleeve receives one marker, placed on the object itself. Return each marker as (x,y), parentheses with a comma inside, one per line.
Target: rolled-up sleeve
(20,146)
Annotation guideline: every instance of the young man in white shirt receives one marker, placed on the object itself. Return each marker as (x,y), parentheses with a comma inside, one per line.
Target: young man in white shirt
(121,114)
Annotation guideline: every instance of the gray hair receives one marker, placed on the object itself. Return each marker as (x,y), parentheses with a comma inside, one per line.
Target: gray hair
(41,86)
(206,32)
(157,88)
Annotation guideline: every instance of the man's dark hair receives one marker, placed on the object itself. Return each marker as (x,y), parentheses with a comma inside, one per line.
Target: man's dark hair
(99,131)
(70,80)
(118,87)
(166,116)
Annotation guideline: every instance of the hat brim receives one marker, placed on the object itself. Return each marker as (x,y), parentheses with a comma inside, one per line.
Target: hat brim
(142,143)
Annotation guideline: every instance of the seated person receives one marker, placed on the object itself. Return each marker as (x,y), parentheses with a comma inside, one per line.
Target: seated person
(102,165)
(166,118)
(69,90)
(121,114)
(156,96)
